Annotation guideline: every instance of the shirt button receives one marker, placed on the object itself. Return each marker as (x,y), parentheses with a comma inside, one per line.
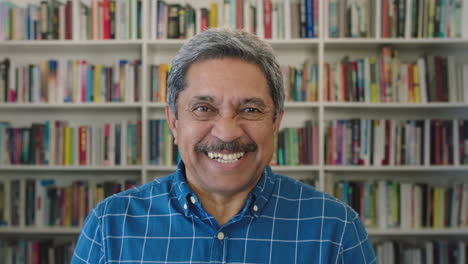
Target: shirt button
(220,236)
(255,208)
(192,199)
(185,206)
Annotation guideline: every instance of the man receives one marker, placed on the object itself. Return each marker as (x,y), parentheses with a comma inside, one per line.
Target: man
(224,204)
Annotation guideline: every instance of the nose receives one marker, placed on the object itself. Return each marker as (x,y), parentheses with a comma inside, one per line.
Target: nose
(227,128)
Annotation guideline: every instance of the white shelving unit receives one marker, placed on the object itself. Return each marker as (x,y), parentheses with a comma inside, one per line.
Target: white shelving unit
(293,52)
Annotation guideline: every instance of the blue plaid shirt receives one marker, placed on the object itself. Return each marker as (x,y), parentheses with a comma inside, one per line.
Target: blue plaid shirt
(283,221)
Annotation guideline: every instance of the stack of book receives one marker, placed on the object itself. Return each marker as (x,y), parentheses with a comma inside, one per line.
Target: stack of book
(296,146)
(430,78)
(68,144)
(391,204)
(70,81)
(35,251)
(267,18)
(53,202)
(421,252)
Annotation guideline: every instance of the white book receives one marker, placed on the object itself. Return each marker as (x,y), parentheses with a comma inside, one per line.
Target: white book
(392,143)
(418,145)
(247,16)
(422,80)
(287,19)
(21,85)
(129,82)
(382,204)
(456,200)
(62,22)
(465,20)
(429,246)
(227,14)
(408,19)
(133,20)
(452,79)
(76,12)
(378,22)
(118,19)
(260,24)
(198,16)
(461,252)
(427,140)
(274,22)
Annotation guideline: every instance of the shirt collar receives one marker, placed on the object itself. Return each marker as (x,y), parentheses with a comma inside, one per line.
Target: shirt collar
(257,200)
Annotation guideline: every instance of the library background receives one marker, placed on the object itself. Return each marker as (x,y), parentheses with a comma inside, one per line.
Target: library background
(376,112)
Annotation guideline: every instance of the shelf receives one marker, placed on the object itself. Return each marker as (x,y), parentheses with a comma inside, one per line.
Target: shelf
(161,168)
(363,43)
(291,105)
(295,168)
(358,105)
(69,105)
(67,168)
(276,43)
(418,232)
(40,230)
(396,168)
(87,43)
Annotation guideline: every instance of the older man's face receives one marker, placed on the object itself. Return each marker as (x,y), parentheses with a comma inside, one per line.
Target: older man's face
(225,127)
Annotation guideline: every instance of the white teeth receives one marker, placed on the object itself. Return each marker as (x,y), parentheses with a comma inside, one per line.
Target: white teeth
(226,158)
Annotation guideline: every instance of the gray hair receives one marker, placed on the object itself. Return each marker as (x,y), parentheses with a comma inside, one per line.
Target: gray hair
(222,43)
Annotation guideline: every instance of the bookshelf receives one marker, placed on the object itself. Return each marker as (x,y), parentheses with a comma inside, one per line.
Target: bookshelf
(290,51)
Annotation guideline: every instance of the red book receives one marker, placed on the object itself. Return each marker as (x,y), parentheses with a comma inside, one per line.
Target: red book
(267,10)
(439,79)
(108,72)
(383,93)
(68,19)
(411,95)
(331,145)
(355,87)
(82,144)
(240,14)
(315,155)
(204,19)
(327,83)
(106,19)
(388,125)
(385,19)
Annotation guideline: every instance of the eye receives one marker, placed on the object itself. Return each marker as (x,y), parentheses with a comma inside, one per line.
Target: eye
(201,108)
(251,110)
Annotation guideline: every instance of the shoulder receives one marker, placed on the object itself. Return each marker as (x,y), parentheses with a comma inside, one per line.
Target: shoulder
(139,195)
(312,199)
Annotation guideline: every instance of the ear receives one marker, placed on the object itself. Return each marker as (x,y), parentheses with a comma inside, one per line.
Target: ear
(172,122)
(277,123)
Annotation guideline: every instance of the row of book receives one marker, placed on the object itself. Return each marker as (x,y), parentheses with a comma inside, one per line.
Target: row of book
(40,20)
(70,81)
(267,18)
(162,150)
(296,146)
(348,18)
(111,19)
(387,78)
(422,19)
(300,83)
(45,251)
(63,143)
(53,202)
(390,204)
(421,252)
(396,142)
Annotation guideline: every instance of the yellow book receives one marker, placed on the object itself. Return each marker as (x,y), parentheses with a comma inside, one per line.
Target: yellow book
(67,221)
(67,146)
(416,90)
(373,70)
(214,15)
(97,83)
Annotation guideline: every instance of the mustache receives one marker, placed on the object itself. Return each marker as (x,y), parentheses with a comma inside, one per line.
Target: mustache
(233,146)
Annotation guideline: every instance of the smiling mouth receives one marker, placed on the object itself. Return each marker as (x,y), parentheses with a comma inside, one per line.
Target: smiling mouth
(225,158)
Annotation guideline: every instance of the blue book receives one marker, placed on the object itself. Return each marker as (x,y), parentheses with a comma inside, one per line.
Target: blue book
(443,4)
(309,18)
(233,6)
(345,192)
(89,84)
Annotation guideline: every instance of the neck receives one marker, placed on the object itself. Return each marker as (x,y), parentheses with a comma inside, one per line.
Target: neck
(223,207)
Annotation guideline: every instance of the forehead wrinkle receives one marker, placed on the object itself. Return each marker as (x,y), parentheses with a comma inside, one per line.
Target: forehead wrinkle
(202,98)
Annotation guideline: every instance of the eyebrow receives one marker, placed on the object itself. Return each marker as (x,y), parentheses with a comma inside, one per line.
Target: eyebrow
(202,98)
(254,100)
